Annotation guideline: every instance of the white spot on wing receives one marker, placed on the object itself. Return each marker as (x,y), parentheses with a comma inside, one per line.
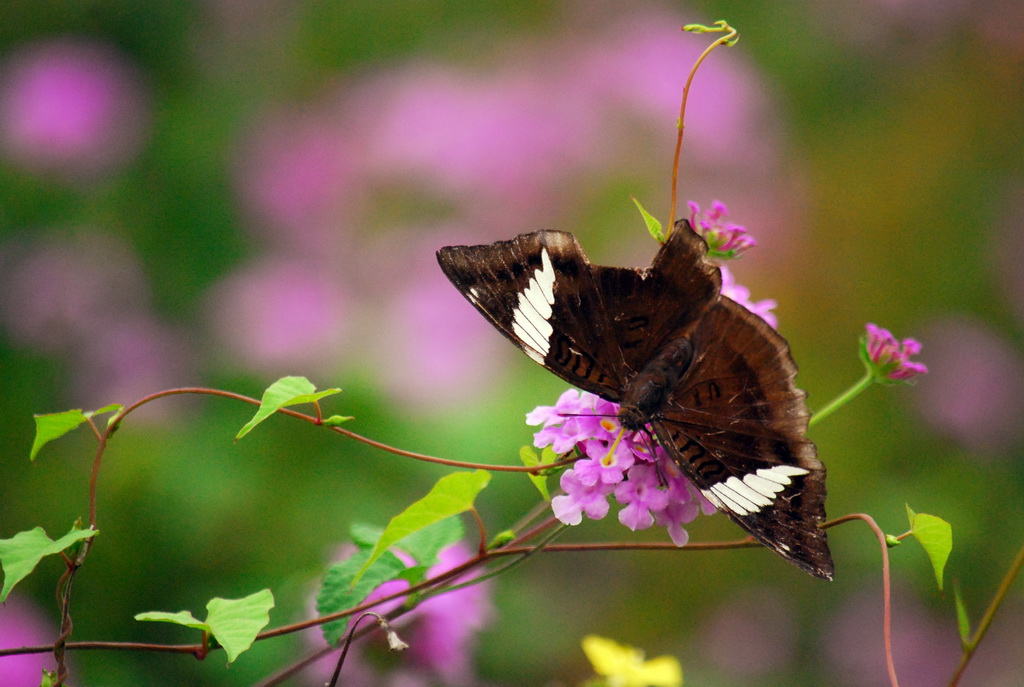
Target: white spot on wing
(765,487)
(781,473)
(530,319)
(730,499)
(746,492)
(715,501)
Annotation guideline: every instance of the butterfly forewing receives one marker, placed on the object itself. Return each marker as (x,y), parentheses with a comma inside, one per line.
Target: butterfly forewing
(539,290)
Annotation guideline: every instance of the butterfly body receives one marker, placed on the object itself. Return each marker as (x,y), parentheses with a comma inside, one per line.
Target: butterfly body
(712,381)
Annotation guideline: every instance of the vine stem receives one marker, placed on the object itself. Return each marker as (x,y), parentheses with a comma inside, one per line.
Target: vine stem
(972,645)
(842,399)
(729,38)
(886,589)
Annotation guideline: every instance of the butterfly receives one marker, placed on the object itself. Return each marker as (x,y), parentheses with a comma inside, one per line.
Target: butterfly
(710,379)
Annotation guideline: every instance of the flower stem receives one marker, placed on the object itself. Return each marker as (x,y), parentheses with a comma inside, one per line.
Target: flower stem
(729,39)
(842,399)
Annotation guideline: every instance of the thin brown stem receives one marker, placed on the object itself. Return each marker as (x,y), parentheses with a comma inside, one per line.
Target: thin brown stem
(344,432)
(886,589)
(728,38)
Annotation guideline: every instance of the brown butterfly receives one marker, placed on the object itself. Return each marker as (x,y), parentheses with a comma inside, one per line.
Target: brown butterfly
(711,379)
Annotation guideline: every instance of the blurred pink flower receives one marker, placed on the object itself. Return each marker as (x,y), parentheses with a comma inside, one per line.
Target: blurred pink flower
(71,107)
(448,624)
(499,135)
(925,646)
(68,287)
(83,297)
(130,359)
(292,174)
(440,351)
(751,636)
(638,62)
(974,391)
(279,316)
(21,624)
(441,632)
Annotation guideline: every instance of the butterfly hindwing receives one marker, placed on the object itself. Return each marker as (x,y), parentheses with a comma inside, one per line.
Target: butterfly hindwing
(538,289)
(735,423)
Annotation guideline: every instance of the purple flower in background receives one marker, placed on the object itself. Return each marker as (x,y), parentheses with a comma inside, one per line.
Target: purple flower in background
(441,632)
(70,107)
(83,297)
(751,635)
(441,353)
(975,391)
(741,294)
(726,240)
(887,358)
(630,466)
(293,174)
(274,315)
(924,644)
(500,135)
(446,626)
(21,624)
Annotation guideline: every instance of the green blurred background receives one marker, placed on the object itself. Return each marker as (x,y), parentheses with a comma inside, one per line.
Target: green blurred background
(221,193)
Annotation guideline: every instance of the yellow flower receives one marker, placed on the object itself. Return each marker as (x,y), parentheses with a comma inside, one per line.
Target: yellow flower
(624,666)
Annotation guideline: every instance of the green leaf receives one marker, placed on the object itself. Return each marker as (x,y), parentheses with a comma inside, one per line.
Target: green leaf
(963,623)
(654,227)
(363,535)
(20,554)
(49,678)
(341,590)
(287,391)
(936,536)
(425,545)
(183,618)
(53,426)
(453,494)
(236,622)
(530,458)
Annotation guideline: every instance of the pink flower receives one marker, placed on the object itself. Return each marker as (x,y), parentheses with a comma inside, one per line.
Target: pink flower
(725,239)
(21,624)
(649,485)
(71,107)
(889,359)
(741,294)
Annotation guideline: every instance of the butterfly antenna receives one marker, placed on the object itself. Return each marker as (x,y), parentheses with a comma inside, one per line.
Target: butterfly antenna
(728,39)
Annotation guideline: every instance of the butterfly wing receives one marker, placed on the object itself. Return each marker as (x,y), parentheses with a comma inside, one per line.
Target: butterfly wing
(735,424)
(539,290)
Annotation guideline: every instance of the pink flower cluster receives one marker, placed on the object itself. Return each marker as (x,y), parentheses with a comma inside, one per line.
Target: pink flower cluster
(726,240)
(888,358)
(630,466)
